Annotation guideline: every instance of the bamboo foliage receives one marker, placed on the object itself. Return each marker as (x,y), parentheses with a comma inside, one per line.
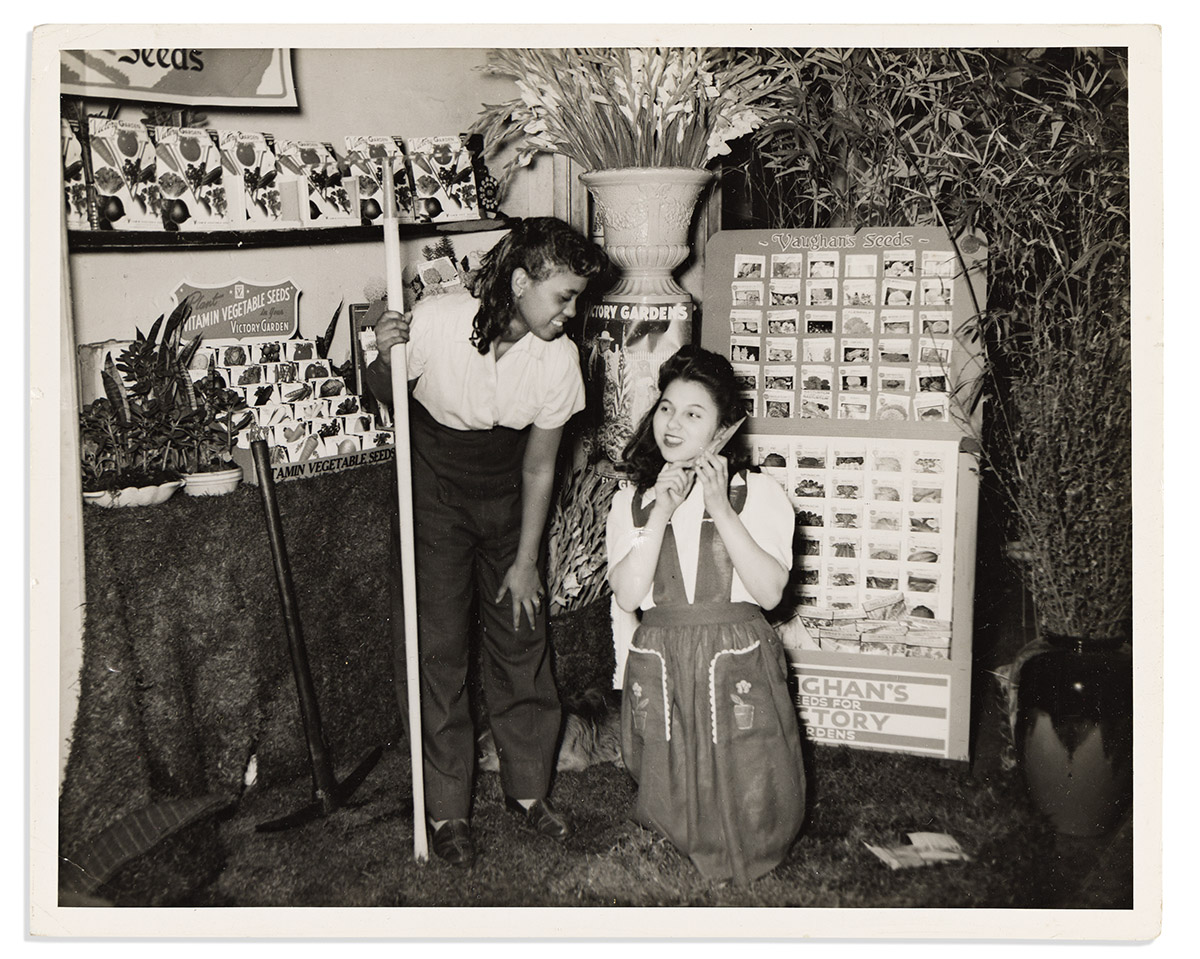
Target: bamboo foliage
(1030,149)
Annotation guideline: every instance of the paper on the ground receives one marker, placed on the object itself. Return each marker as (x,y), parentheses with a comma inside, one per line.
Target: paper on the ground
(925,848)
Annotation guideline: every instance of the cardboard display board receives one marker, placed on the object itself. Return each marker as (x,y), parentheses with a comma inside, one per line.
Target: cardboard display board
(858,365)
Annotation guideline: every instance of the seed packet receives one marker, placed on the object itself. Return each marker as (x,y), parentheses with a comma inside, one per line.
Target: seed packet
(777,404)
(191,178)
(818,322)
(745,322)
(845,516)
(444,178)
(847,486)
(748,401)
(779,378)
(895,351)
(748,266)
(934,322)
(853,350)
(258,195)
(858,322)
(747,293)
(899,263)
(821,293)
(787,265)
(124,172)
(895,379)
(896,322)
(809,484)
(931,407)
(898,292)
(811,456)
(823,264)
(744,349)
(365,156)
(74,182)
(887,489)
(941,263)
(771,454)
(935,351)
(844,546)
(923,548)
(328,196)
(748,376)
(816,378)
(781,350)
(816,404)
(883,549)
(784,292)
(783,322)
(891,407)
(858,292)
(861,264)
(851,407)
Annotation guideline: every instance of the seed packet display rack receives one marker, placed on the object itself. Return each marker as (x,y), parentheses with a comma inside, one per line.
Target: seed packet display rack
(855,355)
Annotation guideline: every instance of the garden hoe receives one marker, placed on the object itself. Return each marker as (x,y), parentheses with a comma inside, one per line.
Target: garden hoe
(328,793)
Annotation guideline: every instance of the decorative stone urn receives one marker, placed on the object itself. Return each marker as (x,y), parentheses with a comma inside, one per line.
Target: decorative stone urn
(646,213)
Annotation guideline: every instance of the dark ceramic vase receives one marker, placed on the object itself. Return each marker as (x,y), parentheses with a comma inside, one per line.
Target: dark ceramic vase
(1075,733)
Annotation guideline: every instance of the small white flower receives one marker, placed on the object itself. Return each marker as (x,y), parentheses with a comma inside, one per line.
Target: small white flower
(743,687)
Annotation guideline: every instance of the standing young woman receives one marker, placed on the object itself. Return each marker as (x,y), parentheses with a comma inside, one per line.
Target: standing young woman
(495,383)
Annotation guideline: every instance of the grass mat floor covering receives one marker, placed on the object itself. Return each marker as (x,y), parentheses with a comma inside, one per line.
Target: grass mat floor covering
(186,676)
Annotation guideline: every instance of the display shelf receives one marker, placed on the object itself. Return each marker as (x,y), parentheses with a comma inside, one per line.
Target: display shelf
(79,241)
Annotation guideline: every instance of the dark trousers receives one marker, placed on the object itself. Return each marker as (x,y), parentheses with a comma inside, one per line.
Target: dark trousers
(467,509)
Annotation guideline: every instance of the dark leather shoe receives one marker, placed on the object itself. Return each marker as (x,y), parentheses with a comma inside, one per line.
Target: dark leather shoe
(542,817)
(452,843)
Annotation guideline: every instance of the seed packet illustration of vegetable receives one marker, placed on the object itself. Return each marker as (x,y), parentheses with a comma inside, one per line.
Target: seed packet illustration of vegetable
(821,293)
(842,575)
(810,516)
(883,549)
(934,322)
(746,293)
(895,379)
(927,489)
(191,179)
(896,322)
(818,350)
(263,199)
(932,379)
(365,155)
(844,546)
(937,291)
(443,176)
(923,520)
(887,460)
(939,263)
(855,350)
(783,322)
(851,407)
(74,184)
(781,350)
(847,486)
(744,349)
(844,516)
(747,266)
(778,404)
(898,292)
(811,456)
(808,571)
(124,171)
(849,456)
(923,548)
(854,379)
(779,378)
(858,322)
(784,292)
(747,376)
(887,489)
(931,407)
(771,454)
(745,322)
(328,195)
(788,266)
(861,264)
(922,581)
(818,322)
(816,404)
(823,265)
(899,263)
(892,407)
(878,578)
(895,351)
(924,462)
(883,518)
(858,292)
(808,484)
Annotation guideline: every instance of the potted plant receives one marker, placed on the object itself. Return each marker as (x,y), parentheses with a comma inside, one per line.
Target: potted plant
(153,425)
(206,455)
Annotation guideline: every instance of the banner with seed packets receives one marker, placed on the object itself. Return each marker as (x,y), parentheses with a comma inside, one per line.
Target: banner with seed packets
(857,365)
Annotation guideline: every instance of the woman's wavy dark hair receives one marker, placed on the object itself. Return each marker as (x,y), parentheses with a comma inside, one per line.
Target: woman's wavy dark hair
(642,457)
(542,246)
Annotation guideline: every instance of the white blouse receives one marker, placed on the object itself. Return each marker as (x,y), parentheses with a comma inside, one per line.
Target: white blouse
(767,515)
(535,382)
